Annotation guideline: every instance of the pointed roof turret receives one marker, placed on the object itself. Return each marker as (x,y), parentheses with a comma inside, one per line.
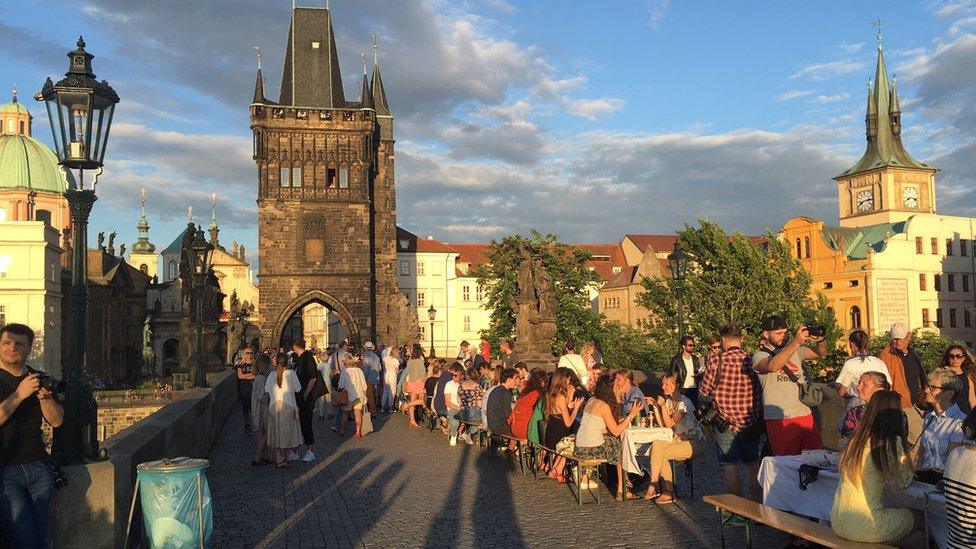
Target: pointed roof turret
(376,86)
(895,106)
(143,246)
(883,124)
(311,75)
(365,95)
(259,81)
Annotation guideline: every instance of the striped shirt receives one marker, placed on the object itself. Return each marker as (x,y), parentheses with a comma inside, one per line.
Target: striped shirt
(959,485)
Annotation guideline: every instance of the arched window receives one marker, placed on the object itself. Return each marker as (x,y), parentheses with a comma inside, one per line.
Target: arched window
(806,246)
(171,269)
(799,250)
(855,317)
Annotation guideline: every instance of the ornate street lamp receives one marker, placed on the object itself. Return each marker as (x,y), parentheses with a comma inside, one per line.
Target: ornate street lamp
(199,271)
(678,262)
(80,109)
(431,315)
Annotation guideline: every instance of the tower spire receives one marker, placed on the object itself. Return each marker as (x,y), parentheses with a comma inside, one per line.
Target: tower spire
(365,95)
(376,86)
(14,98)
(311,43)
(143,246)
(259,80)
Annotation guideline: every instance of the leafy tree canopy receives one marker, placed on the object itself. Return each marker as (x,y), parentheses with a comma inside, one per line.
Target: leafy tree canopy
(733,279)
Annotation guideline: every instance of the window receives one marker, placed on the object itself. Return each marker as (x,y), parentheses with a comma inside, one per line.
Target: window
(938,283)
(284,176)
(171,269)
(467,323)
(935,246)
(466,293)
(853,283)
(423,331)
(919,246)
(420,268)
(963,247)
(343,178)
(855,317)
(22,127)
(952,282)
(806,246)
(948,246)
(965,283)
(4,265)
(967,318)
(922,284)
(296,177)
(799,250)
(404,244)
(828,285)
(477,293)
(925,318)
(938,318)
(421,299)
(3,315)
(330,178)
(404,268)
(952,318)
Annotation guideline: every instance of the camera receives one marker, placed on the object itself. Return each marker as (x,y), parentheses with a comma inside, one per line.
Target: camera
(816,331)
(52,384)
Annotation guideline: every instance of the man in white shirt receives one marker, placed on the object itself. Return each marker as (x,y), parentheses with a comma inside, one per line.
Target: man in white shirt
(574,362)
(452,402)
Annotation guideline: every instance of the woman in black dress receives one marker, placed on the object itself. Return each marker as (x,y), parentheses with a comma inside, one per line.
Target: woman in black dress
(562,406)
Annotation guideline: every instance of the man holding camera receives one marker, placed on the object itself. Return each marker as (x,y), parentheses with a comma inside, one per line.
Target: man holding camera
(790,425)
(26,476)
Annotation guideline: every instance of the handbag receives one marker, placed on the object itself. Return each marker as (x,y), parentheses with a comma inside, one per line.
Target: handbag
(340,398)
(366,427)
(707,412)
(566,446)
(810,394)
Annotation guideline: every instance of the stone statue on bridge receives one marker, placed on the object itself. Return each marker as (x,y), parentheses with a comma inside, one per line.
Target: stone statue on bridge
(535,311)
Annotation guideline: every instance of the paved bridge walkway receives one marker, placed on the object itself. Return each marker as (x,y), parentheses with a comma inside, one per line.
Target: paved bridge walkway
(407,488)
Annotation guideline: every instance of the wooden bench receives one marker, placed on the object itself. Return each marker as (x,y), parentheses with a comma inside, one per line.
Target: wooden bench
(521,446)
(779,520)
(575,480)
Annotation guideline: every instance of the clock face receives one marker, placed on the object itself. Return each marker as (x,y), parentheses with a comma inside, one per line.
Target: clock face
(909,196)
(865,201)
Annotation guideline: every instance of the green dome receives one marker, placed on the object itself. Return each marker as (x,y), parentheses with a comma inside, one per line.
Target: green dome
(26,162)
(14,107)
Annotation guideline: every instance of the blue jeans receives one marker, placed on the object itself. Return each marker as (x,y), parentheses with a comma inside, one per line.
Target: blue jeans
(25,499)
(452,422)
(473,415)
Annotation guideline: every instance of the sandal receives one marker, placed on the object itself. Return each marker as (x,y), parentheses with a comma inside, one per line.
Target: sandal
(665,498)
(651,493)
(632,495)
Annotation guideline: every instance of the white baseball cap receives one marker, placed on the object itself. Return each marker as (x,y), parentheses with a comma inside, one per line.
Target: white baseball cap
(368,345)
(899,330)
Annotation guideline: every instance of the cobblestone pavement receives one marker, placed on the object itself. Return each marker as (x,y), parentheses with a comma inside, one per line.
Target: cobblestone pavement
(407,488)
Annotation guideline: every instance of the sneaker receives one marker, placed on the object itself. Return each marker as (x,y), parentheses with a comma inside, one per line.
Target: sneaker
(334,428)
(453,441)
(308,457)
(466,437)
(293,456)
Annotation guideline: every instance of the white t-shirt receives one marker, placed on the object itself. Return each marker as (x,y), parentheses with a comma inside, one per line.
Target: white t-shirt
(851,372)
(286,393)
(354,382)
(450,393)
(689,372)
(960,493)
(575,363)
(391,367)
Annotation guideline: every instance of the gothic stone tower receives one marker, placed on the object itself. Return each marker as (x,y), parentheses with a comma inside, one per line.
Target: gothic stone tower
(326,198)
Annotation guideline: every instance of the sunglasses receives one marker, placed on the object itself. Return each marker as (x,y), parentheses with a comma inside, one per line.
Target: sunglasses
(936,387)
(954,355)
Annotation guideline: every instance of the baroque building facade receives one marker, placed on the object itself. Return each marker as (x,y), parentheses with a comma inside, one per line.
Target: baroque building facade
(892,257)
(326,193)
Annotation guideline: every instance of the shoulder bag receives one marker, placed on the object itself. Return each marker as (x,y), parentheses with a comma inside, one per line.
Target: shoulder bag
(810,394)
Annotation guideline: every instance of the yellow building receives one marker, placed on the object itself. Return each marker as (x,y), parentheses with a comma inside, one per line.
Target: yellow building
(892,257)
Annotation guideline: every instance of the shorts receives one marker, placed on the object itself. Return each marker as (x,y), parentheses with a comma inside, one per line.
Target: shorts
(355,405)
(739,447)
(790,437)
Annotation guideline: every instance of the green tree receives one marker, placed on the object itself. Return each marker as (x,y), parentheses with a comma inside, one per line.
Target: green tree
(929,346)
(572,280)
(733,279)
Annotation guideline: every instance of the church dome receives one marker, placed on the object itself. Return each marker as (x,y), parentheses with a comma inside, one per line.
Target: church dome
(14,107)
(26,162)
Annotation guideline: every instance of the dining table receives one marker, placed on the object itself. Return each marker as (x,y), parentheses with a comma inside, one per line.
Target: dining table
(779,477)
(636,445)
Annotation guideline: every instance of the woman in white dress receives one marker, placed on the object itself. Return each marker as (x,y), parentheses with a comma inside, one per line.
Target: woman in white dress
(352,380)
(284,432)
(259,410)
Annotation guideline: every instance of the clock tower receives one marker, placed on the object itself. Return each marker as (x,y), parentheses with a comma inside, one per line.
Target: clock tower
(887,184)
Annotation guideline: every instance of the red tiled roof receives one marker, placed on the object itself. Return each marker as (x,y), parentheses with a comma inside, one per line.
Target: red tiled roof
(660,242)
(606,257)
(417,244)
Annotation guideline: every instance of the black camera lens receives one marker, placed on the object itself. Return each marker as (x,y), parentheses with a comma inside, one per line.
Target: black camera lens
(816,331)
(52,384)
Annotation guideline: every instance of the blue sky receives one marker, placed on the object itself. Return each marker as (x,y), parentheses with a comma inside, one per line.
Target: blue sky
(588,119)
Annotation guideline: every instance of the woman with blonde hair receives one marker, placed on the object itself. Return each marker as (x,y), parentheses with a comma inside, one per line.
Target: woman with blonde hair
(284,432)
(560,410)
(876,454)
(353,381)
(588,352)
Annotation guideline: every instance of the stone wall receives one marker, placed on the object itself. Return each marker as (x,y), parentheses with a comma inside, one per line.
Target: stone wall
(92,511)
(113,419)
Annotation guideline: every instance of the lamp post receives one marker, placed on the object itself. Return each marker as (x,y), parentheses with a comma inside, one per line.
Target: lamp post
(678,262)
(199,271)
(80,109)
(431,315)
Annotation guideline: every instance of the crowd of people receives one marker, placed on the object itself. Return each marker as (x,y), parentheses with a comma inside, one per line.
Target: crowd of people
(900,423)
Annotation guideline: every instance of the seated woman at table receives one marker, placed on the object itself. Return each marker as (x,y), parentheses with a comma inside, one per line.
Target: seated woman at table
(672,409)
(941,426)
(599,431)
(877,453)
(959,484)
(868,384)
(561,407)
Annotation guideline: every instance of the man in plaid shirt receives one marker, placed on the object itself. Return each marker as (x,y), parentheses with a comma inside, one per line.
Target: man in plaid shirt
(738,398)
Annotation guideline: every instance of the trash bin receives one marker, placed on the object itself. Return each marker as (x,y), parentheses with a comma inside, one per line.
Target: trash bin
(175,500)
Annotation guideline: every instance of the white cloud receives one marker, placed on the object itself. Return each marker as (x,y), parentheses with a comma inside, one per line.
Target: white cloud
(851,48)
(793,94)
(823,99)
(594,109)
(823,71)
(656,10)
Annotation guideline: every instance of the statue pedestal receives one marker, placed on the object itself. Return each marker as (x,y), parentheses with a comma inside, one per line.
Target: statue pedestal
(535,336)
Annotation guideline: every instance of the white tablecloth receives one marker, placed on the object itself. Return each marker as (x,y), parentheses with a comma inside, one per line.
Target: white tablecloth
(636,444)
(780,480)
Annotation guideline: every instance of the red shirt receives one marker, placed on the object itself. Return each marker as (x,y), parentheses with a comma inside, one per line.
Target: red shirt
(738,396)
(486,351)
(522,413)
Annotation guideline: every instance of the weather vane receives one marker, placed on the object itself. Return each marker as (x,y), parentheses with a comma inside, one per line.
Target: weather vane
(257,50)
(877,23)
(189,214)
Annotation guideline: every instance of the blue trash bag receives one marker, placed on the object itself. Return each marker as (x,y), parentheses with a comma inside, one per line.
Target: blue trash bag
(171,508)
